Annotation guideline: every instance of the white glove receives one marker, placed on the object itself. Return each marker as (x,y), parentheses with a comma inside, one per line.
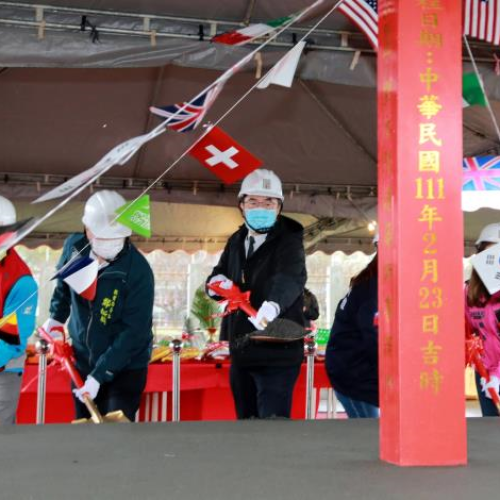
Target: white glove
(54,328)
(266,313)
(225,283)
(90,387)
(493,383)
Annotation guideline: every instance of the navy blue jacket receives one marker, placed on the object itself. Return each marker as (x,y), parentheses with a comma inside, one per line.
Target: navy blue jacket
(113,332)
(352,350)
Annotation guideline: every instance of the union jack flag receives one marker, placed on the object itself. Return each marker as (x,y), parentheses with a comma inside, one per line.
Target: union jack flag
(481,173)
(187,119)
(364,14)
(482,20)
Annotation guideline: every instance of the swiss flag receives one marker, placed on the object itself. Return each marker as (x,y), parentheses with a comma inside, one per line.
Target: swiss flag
(222,155)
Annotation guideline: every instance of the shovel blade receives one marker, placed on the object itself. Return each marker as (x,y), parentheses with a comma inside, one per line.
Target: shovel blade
(112,417)
(280,330)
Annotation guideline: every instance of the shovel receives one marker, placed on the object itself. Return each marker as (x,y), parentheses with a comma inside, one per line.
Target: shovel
(278,330)
(62,354)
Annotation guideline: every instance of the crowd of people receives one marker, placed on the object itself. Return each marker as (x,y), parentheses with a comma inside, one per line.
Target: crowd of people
(111,335)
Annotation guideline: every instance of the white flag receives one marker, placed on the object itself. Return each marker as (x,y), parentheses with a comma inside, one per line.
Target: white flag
(283,71)
(487,265)
(118,155)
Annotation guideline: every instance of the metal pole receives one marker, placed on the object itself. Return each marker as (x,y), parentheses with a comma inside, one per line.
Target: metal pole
(176,345)
(310,343)
(42,348)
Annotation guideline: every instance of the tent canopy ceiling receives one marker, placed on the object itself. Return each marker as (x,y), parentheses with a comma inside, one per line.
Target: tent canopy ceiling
(319,136)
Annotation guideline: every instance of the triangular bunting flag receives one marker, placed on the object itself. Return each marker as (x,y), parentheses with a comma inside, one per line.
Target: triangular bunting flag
(221,154)
(81,276)
(471,91)
(185,117)
(249,33)
(487,266)
(136,215)
(283,71)
(481,183)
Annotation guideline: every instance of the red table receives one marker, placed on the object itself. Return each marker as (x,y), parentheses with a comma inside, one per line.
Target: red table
(205,393)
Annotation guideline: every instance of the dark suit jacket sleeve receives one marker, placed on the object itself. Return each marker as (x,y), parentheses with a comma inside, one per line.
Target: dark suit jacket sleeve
(288,281)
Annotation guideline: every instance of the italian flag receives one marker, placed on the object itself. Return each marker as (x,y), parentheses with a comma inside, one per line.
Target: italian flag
(471,91)
(249,33)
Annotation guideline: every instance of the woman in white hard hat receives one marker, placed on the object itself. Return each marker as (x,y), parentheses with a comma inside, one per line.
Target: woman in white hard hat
(18,301)
(112,334)
(482,312)
(266,257)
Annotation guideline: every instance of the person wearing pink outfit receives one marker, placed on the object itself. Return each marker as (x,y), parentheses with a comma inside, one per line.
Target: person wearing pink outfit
(482,312)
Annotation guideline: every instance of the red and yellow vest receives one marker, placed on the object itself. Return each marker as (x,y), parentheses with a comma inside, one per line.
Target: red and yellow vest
(12,269)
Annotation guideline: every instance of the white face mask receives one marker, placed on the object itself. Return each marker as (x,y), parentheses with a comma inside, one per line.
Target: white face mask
(107,249)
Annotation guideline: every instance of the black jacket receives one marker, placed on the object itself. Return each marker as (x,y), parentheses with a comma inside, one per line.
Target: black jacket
(114,331)
(352,351)
(275,272)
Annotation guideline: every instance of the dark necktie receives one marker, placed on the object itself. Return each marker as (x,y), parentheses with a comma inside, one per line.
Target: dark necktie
(251,244)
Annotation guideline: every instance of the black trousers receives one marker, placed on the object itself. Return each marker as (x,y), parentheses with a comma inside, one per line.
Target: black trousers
(122,393)
(263,391)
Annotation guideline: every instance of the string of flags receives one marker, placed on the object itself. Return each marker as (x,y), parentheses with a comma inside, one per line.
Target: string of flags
(191,114)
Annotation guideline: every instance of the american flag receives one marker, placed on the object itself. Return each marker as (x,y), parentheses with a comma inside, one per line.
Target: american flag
(363,13)
(187,119)
(482,20)
(481,173)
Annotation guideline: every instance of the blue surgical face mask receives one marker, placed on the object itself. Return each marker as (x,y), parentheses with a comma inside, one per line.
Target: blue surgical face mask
(260,220)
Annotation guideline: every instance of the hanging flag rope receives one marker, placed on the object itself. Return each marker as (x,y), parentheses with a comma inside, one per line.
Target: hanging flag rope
(223,77)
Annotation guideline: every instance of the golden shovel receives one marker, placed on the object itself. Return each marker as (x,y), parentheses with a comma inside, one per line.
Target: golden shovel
(63,354)
(95,415)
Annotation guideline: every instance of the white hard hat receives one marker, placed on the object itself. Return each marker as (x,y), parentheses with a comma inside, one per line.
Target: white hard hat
(99,213)
(261,182)
(7,212)
(490,234)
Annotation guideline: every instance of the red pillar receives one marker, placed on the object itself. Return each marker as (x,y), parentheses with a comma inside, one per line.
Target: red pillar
(421,338)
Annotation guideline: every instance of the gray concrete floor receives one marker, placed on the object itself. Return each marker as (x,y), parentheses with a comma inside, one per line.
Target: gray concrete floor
(257,460)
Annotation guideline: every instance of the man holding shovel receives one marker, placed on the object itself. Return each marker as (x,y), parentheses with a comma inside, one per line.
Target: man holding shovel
(111,332)
(265,257)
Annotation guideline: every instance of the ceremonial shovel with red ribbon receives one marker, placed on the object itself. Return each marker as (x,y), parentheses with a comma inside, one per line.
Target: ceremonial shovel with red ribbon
(278,330)
(63,354)
(473,349)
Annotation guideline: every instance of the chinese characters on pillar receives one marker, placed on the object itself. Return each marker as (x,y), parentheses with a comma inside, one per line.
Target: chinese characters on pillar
(430,192)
